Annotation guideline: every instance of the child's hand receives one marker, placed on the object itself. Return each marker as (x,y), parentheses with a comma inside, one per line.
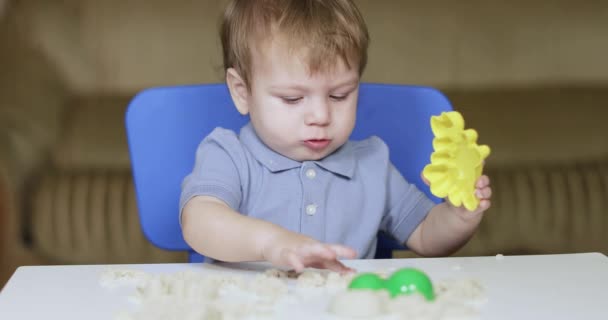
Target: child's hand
(309,253)
(483,193)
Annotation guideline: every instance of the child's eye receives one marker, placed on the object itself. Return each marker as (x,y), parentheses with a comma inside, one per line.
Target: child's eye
(338,97)
(291,100)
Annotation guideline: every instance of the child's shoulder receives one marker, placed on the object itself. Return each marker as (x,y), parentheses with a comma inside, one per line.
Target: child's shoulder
(373,148)
(222,136)
(223,144)
(222,133)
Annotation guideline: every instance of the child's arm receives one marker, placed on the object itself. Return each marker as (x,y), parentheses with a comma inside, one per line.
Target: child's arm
(447,228)
(214,229)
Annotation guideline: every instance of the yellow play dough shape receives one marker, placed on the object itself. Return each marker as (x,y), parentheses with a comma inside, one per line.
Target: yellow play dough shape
(456,162)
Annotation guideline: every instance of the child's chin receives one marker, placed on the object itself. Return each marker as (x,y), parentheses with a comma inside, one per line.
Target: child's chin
(311,156)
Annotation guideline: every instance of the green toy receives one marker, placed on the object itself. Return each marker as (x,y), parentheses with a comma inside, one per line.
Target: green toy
(367,281)
(403,281)
(408,281)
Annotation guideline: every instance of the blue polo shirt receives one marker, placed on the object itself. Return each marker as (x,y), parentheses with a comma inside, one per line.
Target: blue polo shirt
(345,198)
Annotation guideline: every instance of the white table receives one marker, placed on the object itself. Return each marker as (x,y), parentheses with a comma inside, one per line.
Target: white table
(569,286)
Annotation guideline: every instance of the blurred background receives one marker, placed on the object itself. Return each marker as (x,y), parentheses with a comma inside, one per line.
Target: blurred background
(530,76)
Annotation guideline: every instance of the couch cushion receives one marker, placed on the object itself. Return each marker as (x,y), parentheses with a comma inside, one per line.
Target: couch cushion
(90,217)
(557,208)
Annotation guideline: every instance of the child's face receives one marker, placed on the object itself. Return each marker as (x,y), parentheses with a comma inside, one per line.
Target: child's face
(300,115)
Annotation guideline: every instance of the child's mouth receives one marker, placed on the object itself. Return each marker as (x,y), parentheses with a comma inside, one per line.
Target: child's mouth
(317,144)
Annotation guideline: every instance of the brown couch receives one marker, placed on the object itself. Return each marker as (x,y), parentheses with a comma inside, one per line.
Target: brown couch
(69,69)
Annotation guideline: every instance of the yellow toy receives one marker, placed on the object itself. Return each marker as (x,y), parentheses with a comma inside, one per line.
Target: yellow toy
(457,162)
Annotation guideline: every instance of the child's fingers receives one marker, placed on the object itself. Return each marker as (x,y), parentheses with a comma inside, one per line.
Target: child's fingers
(318,255)
(343,251)
(484,193)
(337,266)
(484,205)
(482,181)
(333,265)
(317,250)
(325,256)
(293,260)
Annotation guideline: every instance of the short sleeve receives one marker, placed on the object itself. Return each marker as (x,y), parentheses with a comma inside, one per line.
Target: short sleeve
(407,206)
(218,163)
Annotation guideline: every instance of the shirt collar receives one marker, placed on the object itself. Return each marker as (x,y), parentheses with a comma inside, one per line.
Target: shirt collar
(341,161)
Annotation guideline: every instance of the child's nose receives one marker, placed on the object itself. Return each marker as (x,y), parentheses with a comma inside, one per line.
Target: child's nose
(318,114)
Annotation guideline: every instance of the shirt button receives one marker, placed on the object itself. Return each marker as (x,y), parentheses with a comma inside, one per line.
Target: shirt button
(311,209)
(311,173)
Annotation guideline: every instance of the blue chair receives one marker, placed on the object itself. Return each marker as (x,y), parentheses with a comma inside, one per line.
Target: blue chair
(166,124)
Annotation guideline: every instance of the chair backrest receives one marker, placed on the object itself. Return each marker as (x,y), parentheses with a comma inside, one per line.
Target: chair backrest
(165,125)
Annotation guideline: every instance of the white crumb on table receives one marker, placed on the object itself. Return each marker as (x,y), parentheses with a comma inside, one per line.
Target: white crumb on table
(116,277)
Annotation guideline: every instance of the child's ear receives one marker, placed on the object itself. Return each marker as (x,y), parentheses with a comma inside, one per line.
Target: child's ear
(238,90)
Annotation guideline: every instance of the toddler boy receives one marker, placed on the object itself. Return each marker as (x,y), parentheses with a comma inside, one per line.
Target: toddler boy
(291,188)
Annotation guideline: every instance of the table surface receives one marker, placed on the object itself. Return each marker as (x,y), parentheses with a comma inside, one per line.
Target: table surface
(565,286)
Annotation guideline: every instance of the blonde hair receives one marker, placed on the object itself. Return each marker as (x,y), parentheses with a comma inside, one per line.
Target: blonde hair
(327,29)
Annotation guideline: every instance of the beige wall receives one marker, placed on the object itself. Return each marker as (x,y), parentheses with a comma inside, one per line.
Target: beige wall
(488,43)
(483,54)
(537,125)
(123,46)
